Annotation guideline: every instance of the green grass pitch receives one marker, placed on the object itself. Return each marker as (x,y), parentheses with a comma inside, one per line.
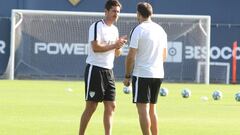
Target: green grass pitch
(55,107)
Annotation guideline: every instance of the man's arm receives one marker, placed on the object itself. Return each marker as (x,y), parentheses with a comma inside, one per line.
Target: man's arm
(99,47)
(164,54)
(129,63)
(118,52)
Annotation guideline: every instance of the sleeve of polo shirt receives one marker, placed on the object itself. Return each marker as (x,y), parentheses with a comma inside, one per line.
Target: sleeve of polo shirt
(94,34)
(165,42)
(134,38)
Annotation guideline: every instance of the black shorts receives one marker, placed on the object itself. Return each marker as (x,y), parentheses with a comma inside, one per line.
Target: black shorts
(99,84)
(146,90)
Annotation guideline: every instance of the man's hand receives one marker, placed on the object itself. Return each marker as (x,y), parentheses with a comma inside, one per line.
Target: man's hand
(119,44)
(121,41)
(127,82)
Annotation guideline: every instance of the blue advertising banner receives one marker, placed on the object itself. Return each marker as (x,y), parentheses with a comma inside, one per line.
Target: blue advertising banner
(225,29)
(223,36)
(4,43)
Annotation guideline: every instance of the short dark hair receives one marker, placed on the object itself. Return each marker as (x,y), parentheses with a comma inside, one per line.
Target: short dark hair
(112,3)
(145,9)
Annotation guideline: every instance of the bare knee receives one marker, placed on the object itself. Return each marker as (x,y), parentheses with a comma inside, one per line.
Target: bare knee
(109,106)
(90,107)
(153,110)
(143,109)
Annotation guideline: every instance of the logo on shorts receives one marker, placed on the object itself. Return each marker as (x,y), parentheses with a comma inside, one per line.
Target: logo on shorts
(92,94)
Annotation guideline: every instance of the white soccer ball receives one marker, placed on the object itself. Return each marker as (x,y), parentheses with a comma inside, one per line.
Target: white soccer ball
(69,89)
(237,96)
(204,98)
(127,89)
(163,92)
(217,95)
(186,93)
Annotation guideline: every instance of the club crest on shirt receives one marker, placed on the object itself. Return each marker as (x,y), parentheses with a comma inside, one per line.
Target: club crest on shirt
(92,94)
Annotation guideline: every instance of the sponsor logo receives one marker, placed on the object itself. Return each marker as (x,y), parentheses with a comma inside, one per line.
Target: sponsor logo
(74,2)
(197,52)
(60,48)
(174,52)
(224,53)
(2,47)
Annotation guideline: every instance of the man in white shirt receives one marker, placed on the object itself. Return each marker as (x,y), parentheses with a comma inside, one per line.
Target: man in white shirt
(147,53)
(105,44)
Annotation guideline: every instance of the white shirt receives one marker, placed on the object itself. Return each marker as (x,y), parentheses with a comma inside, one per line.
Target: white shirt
(149,39)
(105,34)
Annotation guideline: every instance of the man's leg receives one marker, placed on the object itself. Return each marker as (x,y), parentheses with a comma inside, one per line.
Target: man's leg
(86,116)
(109,107)
(144,118)
(154,119)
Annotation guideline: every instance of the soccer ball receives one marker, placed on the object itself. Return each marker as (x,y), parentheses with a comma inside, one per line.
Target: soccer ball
(204,98)
(237,96)
(217,95)
(163,92)
(186,93)
(127,89)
